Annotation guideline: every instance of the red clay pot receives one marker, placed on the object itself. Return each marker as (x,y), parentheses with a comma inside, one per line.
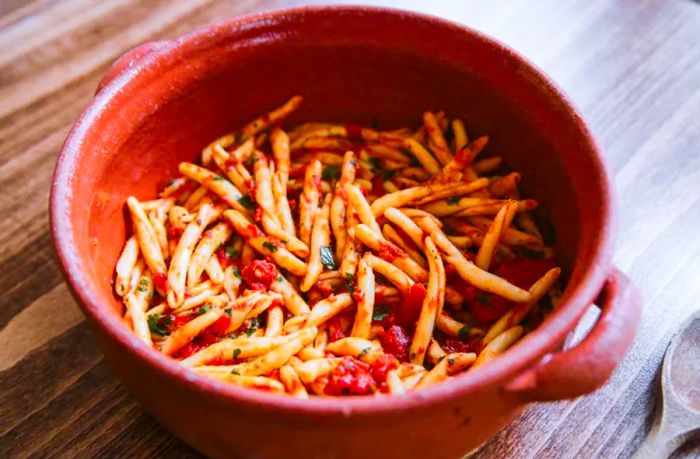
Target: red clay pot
(162,102)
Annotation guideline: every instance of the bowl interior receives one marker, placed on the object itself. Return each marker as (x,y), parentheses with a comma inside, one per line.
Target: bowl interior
(350,68)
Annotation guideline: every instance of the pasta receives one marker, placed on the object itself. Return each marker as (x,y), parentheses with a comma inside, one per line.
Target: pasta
(332,260)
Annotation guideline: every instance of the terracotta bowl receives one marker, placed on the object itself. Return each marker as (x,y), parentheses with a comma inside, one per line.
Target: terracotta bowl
(162,102)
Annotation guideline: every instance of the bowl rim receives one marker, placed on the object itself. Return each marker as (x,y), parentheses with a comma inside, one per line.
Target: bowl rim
(524,354)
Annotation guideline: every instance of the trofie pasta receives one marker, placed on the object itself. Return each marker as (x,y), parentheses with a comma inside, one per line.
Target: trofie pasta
(337,259)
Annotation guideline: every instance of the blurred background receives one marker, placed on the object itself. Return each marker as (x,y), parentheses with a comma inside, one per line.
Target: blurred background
(632,66)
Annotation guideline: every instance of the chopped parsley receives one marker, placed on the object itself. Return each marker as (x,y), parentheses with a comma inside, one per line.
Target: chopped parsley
(230,251)
(364,352)
(330,173)
(380,313)
(270,246)
(217,178)
(464,331)
(235,372)
(252,327)
(246,201)
(155,326)
(349,279)
(237,272)
(251,160)
(483,298)
(279,278)
(228,311)
(203,310)
(451,361)
(236,353)
(143,285)
(453,200)
(327,257)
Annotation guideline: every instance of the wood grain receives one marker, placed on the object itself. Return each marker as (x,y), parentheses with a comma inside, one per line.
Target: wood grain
(633,67)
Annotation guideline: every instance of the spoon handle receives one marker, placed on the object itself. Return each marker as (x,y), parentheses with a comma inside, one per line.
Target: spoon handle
(660,443)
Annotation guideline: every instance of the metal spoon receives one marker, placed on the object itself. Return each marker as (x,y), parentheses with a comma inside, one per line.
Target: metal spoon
(679,413)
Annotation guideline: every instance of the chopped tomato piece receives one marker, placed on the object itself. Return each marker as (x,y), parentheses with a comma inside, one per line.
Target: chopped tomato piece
(160,281)
(382,366)
(395,341)
(351,377)
(406,312)
(259,274)
(452,344)
(175,233)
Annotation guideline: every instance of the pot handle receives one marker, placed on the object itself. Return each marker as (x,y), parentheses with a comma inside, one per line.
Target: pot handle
(131,58)
(587,366)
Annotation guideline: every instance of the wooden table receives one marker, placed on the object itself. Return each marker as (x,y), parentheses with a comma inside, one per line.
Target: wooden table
(632,66)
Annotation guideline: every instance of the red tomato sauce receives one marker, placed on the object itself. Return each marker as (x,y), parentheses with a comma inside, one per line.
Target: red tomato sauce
(377,186)
(487,307)
(390,252)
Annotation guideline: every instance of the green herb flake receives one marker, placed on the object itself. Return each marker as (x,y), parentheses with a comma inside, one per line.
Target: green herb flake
(246,201)
(453,200)
(203,310)
(451,361)
(155,327)
(379,314)
(235,372)
(483,298)
(271,247)
(327,257)
(330,173)
(349,282)
(251,160)
(143,285)
(228,311)
(237,272)
(364,352)
(236,353)
(218,178)
(252,327)
(230,251)
(280,278)
(464,331)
